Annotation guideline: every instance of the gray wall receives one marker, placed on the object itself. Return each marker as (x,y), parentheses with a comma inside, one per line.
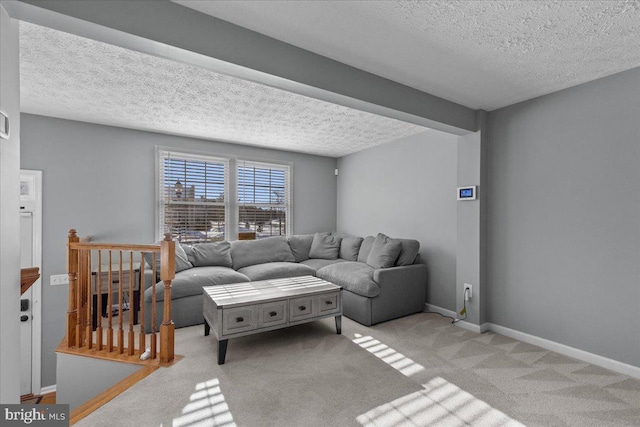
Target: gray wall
(563,224)
(407,188)
(9,213)
(100,180)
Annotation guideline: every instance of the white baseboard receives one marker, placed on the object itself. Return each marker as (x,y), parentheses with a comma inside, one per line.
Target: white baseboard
(585,356)
(48,389)
(461,323)
(443,311)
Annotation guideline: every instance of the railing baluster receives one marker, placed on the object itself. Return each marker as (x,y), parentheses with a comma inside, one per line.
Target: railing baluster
(142,343)
(110,305)
(89,318)
(99,303)
(153,309)
(132,307)
(79,301)
(120,308)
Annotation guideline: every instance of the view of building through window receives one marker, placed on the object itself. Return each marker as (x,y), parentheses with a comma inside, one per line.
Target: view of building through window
(198,205)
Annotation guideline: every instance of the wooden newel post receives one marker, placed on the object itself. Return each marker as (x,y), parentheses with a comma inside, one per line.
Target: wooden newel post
(167,274)
(72,270)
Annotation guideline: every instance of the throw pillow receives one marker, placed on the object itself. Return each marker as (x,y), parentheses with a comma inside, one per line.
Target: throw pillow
(300,246)
(365,248)
(350,247)
(182,261)
(408,252)
(384,252)
(325,246)
(210,254)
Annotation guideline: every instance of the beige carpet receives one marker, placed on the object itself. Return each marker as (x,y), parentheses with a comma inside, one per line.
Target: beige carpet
(419,370)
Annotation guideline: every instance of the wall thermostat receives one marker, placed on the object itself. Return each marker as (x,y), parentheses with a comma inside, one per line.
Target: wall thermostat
(467,193)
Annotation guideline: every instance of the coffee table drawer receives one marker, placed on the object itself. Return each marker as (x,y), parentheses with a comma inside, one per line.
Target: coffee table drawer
(328,303)
(271,314)
(239,319)
(301,308)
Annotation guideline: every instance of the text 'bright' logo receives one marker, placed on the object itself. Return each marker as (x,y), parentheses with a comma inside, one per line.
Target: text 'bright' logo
(30,415)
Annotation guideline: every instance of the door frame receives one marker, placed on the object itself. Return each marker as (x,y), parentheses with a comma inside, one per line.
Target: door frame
(33,200)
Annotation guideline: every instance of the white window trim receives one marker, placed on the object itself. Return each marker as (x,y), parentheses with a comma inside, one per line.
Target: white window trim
(269,164)
(232,207)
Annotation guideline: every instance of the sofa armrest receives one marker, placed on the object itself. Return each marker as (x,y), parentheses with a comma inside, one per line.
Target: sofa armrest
(416,273)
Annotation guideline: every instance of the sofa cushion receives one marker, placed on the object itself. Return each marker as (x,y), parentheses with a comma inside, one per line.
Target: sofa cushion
(182,261)
(325,246)
(353,276)
(317,263)
(252,252)
(384,252)
(190,282)
(349,248)
(276,270)
(300,245)
(209,254)
(365,248)
(408,251)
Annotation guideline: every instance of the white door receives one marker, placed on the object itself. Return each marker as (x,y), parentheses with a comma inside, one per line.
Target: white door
(26,304)
(30,302)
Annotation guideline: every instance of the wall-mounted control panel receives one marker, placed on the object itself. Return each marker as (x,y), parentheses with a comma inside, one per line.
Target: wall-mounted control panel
(468,193)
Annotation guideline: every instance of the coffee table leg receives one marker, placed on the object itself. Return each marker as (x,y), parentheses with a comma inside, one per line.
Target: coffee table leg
(338,325)
(222,351)
(207,328)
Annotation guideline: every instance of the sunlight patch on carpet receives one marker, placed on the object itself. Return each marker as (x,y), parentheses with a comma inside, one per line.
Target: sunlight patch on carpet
(440,403)
(206,407)
(396,360)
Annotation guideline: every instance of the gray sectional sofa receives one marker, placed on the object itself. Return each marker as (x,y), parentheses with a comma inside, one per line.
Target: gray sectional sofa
(379,275)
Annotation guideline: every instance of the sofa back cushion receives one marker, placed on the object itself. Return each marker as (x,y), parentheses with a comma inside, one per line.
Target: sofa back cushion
(384,252)
(408,251)
(252,252)
(209,254)
(365,248)
(349,248)
(300,245)
(325,246)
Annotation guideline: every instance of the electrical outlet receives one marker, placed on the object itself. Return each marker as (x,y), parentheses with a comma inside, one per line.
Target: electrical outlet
(470,293)
(59,279)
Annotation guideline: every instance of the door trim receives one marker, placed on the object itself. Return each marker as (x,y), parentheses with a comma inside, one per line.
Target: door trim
(34,203)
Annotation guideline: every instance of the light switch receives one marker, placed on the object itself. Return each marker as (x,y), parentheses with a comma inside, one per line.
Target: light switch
(4,125)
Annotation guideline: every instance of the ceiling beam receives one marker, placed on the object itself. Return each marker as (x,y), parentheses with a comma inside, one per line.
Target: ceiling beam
(170,30)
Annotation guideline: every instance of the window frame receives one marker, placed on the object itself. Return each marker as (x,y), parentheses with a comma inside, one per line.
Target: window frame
(163,153)
(287,168)
(231,188)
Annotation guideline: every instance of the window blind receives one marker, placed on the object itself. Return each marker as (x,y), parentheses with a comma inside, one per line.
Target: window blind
(193,196)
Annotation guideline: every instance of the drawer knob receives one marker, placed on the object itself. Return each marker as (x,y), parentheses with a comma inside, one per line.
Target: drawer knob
(329,302)
(239,319)
(302,308)
(272,313)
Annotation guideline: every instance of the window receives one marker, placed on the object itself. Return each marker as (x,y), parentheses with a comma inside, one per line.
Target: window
(193,196)
(263,200)
(198,202)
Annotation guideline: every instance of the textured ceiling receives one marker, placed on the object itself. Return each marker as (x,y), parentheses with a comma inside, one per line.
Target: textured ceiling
(71,77)
(482,54)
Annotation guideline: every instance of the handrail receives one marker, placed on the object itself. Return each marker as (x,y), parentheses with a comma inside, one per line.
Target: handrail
(124,274)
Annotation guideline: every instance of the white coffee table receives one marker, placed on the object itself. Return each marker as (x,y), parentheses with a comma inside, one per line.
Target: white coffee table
(241,309)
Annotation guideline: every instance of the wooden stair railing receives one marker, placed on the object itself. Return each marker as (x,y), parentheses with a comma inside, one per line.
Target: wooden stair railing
(124,272)
(28,277)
